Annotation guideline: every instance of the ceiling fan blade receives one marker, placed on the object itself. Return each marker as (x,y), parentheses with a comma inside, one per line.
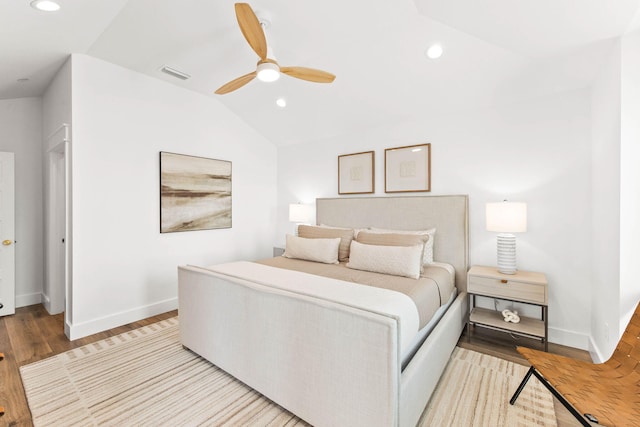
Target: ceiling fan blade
(310,74)
(236,84)
(251,29)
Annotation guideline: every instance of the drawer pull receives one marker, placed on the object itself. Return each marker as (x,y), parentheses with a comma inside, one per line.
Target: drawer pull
(504,281)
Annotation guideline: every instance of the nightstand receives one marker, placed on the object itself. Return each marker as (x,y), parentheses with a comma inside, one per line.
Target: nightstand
(523,287)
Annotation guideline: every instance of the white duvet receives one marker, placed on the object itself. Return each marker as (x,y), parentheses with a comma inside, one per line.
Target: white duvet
(372,299)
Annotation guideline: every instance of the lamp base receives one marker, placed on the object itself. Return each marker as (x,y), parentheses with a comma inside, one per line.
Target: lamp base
(507,253)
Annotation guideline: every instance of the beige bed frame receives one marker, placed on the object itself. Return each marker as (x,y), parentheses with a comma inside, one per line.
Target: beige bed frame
(330,379)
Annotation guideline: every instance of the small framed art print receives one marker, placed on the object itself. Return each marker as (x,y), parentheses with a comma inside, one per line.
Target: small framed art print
(356,173)
(407,169)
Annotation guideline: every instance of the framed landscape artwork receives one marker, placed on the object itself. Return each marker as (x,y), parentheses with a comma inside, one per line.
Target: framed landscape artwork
(195,193)
(407,169)
(355,173)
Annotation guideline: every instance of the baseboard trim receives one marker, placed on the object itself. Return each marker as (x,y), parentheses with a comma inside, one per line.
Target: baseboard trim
(28,299)
(595,352)
(46,301)
(75,331)
(569,338)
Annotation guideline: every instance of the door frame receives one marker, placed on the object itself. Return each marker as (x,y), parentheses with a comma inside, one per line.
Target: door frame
(58,256)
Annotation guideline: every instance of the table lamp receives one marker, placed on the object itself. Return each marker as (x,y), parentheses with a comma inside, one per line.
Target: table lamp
(507,218)
(300,214)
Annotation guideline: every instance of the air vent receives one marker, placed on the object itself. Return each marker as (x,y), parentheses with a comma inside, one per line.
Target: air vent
(175,73)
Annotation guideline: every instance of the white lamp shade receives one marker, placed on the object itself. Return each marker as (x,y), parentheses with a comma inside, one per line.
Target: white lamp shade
(507,217)
(300,213)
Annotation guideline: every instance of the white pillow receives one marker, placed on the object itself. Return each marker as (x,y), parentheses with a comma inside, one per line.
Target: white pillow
(319,250)
(396,260)
(427,257)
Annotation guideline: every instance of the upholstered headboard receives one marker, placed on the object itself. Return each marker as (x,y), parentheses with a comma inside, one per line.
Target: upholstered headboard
(448,214)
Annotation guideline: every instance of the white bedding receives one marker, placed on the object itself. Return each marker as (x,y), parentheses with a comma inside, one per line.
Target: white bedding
(372,299)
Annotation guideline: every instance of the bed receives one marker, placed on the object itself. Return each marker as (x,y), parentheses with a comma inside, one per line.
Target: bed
(350,358)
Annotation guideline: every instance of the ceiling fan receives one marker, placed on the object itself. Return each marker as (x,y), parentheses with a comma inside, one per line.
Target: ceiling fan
(268,69)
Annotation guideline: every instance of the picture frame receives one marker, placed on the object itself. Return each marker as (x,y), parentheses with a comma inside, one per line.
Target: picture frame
(195,193)
(356,173)
(407,169)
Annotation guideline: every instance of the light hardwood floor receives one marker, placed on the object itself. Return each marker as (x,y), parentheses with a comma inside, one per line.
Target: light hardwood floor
(32,334)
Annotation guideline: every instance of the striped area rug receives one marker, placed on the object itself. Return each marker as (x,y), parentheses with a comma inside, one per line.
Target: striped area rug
(145,378)
(475,389)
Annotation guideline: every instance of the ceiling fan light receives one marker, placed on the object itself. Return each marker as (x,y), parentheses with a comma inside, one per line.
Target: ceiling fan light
(45,5)
(268,72)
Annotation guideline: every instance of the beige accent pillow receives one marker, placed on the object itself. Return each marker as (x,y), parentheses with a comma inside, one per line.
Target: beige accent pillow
(403,261)
(318,250)
(391,239)
(315,232)
(355,230)
(427,256)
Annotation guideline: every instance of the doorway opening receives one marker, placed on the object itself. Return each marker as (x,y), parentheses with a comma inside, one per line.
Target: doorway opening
(57,289)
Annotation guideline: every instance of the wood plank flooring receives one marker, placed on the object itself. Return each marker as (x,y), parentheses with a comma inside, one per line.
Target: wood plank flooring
(32,334)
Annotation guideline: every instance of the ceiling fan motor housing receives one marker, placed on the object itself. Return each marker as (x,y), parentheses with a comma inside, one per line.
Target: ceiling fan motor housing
(268,71)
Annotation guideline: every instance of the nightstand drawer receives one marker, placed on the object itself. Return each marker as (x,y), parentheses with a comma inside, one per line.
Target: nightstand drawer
(509,289)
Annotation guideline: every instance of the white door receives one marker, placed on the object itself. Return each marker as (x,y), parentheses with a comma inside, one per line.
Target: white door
(7,236)
(57,250)
(57,233)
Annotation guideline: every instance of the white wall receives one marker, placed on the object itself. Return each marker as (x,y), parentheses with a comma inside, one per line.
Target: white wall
(616,195)
(21,133)
(605,207)
(537,152)
(123,268)
(629,178)
(56,103)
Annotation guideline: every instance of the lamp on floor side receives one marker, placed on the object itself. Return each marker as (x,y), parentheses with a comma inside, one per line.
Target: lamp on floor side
(507,218)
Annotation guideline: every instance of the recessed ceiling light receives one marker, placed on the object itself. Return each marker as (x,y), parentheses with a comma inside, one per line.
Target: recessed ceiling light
(45,5)
(434,51)
(281,102)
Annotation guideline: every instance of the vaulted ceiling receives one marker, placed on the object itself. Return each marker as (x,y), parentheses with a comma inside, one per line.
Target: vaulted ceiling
(496,52)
